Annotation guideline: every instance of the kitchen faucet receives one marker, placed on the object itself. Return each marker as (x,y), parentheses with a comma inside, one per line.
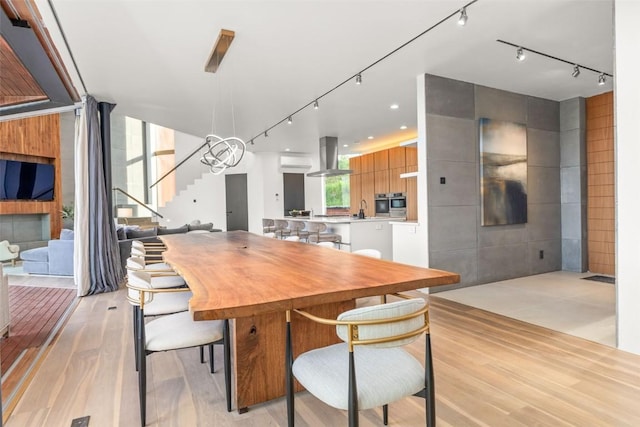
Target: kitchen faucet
(361,213)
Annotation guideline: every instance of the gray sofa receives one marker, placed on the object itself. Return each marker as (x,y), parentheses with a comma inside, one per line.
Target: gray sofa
(56,258)
(127,235)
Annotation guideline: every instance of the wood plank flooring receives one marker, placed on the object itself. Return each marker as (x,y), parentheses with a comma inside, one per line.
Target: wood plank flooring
(34,313)
(489,371)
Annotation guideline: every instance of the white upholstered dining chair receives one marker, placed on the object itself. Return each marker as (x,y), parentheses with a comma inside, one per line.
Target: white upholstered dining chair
(172,332)
(372,253)
(370,368)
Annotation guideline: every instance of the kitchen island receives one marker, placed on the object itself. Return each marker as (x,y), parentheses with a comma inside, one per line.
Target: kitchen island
(367,233)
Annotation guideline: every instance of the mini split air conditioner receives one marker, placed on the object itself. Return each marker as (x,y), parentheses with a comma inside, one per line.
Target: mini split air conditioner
(295,162)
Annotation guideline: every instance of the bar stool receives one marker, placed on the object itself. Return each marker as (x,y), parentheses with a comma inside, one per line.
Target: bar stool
(268,226)
(282,228)
(298,229)
(318,233)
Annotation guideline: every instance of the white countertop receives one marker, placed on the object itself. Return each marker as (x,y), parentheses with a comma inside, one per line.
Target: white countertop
(403,222)
(339,219)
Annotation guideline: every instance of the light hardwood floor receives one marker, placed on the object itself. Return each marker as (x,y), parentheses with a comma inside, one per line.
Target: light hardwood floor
(490,370)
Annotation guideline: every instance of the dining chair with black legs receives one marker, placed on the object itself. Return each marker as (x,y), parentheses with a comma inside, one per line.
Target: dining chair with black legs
(370,368)
(172,332)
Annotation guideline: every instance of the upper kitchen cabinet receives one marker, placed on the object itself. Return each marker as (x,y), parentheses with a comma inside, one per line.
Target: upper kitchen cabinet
(381,160)
(367,163)
(397,157)
(355,164)
(411,156)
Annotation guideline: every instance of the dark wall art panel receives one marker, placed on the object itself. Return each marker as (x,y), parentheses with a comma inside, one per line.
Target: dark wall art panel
(503,172)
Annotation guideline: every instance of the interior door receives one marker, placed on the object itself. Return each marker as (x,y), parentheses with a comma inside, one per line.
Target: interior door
(293,192)
(237,205)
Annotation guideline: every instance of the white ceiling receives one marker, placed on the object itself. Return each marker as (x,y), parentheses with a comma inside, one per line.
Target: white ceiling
(148,58)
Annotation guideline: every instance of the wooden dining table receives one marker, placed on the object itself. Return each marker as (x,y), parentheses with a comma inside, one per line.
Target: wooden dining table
(254,280)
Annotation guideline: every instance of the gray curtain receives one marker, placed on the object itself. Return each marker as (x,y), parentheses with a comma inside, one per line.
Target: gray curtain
(105,272)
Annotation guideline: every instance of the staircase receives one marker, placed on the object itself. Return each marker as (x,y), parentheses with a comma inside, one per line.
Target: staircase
(203,199)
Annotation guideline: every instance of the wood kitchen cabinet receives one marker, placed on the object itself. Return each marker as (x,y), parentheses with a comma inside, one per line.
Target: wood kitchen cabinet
(381,160)
(355,191)
(412,194)
(355,164)
(368,192)
(381,181)
(397,184)
(367,163)
(397,158)
(379,172)
(411,157)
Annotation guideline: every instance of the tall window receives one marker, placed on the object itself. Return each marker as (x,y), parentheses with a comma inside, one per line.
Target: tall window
(163,158)
(135,149)
(141,153)
(337,197)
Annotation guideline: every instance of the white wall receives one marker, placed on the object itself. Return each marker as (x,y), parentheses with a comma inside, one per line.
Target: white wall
(411,242)
(192,169)
(627,152)
(204,198)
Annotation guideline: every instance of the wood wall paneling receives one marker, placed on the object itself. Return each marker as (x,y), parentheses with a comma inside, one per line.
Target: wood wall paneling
(35,139)
(600,184)
(381,160)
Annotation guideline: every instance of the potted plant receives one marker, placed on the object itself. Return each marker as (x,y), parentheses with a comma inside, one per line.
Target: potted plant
(67,217)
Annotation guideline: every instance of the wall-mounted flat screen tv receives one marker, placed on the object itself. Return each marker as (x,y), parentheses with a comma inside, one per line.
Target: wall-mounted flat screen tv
(26,180)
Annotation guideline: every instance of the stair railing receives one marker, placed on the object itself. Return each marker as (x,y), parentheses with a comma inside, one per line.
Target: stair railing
(138,201)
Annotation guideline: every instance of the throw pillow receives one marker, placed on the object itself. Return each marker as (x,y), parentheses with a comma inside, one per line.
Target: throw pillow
(122,234)
(66,234)
(137,234)
(208,226)
(163,231)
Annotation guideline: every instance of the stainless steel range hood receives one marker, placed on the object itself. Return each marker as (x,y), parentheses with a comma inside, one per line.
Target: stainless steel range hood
(329,158)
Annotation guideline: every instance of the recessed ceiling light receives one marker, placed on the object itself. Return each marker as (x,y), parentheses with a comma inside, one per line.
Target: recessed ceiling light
(287,149)
(403,127)
(370,137)
(394,106)
(345,145)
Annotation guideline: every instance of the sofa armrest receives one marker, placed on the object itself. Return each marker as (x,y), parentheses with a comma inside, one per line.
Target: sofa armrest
(61,257)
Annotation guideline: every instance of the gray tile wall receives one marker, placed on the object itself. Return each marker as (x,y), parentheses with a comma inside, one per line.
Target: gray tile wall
(119,158)
(26,231)
(457,240)
(573,188)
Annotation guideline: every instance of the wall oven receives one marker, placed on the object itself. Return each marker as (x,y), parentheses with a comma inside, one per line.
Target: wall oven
(397,205)
(382,205)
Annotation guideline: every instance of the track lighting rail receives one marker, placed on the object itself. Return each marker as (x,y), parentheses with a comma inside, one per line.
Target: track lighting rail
(358,76)
(572,63)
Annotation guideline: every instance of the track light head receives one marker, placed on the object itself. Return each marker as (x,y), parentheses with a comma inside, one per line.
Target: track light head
(462,20)
(251,142)
(576,71)
(266,135)
(358,79)
(520,56)
(602,79)
(315,104)
(289,120)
